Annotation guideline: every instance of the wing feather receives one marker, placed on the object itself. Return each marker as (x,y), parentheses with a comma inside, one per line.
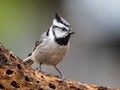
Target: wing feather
(38,42)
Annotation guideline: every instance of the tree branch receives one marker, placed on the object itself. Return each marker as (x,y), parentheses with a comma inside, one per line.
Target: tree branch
(16,75)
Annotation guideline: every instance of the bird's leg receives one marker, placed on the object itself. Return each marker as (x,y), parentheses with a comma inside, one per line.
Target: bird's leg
(39,68)
(61,76)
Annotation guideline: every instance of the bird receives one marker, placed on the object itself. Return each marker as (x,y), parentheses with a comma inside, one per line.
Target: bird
(52,46)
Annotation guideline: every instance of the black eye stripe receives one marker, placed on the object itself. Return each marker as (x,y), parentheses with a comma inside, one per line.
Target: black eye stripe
(63,29)
(57,27)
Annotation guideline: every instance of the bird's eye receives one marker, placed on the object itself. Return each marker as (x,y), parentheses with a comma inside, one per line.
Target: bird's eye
(64,29)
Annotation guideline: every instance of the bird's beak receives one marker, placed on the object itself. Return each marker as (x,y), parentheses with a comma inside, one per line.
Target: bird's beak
(72,32)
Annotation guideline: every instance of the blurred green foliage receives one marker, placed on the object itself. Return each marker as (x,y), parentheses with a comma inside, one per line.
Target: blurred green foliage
(22,22)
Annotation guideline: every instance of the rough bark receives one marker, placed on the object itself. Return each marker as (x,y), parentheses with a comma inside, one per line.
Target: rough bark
(16,75)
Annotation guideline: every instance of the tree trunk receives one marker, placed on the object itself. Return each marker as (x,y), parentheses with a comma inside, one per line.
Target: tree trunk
(16,75)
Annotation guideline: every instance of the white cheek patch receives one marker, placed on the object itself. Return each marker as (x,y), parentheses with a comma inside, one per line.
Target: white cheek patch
(60,33)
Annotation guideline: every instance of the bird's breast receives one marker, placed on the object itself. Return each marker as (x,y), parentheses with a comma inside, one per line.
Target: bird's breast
(49,53)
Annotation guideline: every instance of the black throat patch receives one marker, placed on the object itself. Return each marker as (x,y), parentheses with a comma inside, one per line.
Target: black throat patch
(63,40)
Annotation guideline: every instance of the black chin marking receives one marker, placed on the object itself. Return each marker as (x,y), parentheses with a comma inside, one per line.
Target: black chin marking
(63,40)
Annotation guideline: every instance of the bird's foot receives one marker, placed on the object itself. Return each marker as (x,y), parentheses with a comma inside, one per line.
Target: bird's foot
(38,69)
(62,77)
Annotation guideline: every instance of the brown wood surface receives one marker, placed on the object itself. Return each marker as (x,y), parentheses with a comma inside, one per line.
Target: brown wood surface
(16,75)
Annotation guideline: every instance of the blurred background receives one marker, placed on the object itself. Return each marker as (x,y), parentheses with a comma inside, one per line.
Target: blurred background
(94,56)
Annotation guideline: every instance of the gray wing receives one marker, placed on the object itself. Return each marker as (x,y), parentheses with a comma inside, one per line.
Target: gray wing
(38,42)
(35,46)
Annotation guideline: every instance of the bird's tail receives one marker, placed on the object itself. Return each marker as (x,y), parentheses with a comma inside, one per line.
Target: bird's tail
(28,61)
